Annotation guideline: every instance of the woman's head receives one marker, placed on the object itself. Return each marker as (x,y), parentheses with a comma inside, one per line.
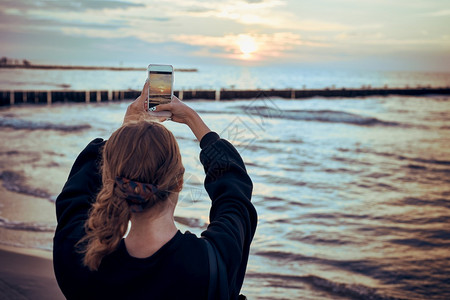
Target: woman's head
(143,152)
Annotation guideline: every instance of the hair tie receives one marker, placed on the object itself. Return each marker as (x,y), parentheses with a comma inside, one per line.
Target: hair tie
(137,193)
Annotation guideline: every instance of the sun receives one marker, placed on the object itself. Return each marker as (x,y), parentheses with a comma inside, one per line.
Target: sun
(247,45)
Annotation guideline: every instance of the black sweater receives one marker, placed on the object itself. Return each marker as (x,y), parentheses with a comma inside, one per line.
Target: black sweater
(178,270)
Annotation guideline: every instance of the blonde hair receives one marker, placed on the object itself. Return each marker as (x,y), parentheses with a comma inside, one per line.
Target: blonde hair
(144,152)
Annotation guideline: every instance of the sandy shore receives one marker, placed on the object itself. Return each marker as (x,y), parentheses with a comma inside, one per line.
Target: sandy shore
(27,274)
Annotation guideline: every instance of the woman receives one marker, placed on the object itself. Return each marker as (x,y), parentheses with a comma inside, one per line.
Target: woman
(136,175)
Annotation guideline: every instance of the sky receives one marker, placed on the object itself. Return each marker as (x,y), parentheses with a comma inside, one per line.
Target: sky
(339,34)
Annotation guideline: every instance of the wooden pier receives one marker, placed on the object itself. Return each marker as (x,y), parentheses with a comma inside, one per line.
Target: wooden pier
(15,97)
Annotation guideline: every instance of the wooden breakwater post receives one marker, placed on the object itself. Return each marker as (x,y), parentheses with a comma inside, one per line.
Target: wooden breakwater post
(196,94)
(49,98)
(9,98)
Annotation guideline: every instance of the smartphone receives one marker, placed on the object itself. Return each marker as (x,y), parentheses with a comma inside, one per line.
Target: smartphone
(160,79)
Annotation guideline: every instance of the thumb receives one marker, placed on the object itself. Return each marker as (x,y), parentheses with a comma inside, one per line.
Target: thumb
(144,92)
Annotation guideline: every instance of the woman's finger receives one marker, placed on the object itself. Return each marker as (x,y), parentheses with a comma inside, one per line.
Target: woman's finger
(162,107)
(143,98)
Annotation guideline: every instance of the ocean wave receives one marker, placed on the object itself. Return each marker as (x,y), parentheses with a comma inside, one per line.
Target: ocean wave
(39,84)
(405,276)
(352,291)
(418,164)
(386,219)
(419,243)
(26,226)
(282,141)
(316,239)
(331,116)
(430,161)
(440,202)
(280,180)
(38,125)
(405,219)
(425,160)
(191,222)
(15,182)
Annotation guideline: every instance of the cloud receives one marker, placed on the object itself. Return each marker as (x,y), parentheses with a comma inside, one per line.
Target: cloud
(104,4)
(379,38)
(115,20)
(78,13)
(245,12)
(17,21)
(315,25)
(268,46)
(97,33)
(212,29)
(439,13)
(73,5)
(138,22)
(267,14)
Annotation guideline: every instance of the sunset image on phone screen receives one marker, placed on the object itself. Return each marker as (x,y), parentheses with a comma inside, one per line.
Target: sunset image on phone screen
(160,87)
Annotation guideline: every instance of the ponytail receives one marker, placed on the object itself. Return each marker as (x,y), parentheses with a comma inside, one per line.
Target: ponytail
(106,226)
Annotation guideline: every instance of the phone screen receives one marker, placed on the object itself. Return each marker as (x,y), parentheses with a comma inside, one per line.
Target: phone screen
(160,87)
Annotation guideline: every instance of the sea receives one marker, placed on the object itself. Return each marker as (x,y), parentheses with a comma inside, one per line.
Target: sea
(353,194)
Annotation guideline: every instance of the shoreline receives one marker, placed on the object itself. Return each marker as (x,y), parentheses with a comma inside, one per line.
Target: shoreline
(35,252)
(27,274)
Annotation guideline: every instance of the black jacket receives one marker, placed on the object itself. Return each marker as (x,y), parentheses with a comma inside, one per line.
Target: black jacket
(180,269)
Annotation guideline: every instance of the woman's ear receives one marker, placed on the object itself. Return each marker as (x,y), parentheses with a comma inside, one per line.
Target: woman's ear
(180,182)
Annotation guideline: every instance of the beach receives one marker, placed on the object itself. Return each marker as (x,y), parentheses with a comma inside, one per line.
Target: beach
(27,274)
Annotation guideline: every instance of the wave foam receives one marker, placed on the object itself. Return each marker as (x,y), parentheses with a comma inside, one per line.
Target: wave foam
(352,291)
(38,125)
(191,222)
(317,115)
(26,226)
(14,182)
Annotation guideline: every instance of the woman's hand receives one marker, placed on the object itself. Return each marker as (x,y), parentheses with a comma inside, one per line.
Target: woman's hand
(137,110)
(182,113)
